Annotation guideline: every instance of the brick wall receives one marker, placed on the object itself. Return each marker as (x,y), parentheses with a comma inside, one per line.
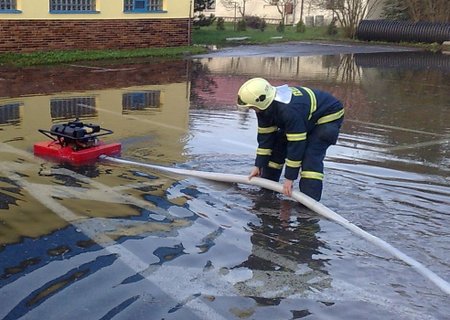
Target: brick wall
(46,35)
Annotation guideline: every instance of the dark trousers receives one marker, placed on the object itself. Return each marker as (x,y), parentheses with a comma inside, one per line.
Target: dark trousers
(318,140)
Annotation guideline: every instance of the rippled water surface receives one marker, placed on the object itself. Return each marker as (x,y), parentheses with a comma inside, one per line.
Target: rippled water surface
(105,240)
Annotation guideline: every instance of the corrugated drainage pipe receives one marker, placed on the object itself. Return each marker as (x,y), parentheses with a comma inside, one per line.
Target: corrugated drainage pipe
(307,202)
(417,60)
(403,31)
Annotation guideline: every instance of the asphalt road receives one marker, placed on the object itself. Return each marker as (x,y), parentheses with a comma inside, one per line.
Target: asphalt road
(306,48)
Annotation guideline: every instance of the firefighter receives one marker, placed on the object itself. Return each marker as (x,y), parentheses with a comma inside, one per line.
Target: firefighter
(296,125)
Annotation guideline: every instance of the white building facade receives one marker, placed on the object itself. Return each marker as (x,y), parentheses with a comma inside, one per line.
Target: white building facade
(312,12)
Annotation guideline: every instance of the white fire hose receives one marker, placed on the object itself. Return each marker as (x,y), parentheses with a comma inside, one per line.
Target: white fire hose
(306,201)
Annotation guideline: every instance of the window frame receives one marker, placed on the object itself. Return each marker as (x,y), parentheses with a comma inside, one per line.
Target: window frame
(151,101)
(12,4)
(93,4)
(334,4)
(10,113)
(64,108)
(147,9)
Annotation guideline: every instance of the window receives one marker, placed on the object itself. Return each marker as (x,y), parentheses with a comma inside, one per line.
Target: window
(334,4)
(10,113)
(81,107)
(143,5)
(289,8)
(72,5)
(210,5)
(8,5)
(141,100)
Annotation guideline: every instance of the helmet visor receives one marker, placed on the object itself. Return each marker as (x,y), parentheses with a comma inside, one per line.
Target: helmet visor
(241,103)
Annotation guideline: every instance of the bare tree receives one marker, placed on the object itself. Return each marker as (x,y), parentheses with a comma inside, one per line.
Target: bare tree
(238,5)
(429,10)
(284,7)
(349,13)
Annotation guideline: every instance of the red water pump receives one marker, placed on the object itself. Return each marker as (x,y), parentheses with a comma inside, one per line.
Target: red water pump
(75,142)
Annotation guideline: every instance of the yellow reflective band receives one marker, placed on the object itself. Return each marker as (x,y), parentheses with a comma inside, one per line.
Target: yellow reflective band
(313,101)
(267,129)
(312,175)
(263,152)
(293,164)
(295,91)
(331,117)
(296,136)
(275,165)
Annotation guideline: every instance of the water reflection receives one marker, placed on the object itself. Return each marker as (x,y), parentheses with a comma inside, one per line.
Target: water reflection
(284,249)
(390,168)
(137,112)
(123,241)
(149,99)
(401,107)
(10,113)
(73,107)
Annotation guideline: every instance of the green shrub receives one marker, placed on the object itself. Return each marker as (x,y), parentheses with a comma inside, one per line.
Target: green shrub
(241,25)
(255,22)
(300,27)
(202,21)
(332,29)
(263,25)
(220,24)
(280,27)
(396,10)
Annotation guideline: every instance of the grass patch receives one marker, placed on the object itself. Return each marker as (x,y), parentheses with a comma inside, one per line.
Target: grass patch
(211,36)
(201,37)
(58,57)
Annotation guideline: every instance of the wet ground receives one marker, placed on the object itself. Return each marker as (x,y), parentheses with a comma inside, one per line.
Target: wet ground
(103,240)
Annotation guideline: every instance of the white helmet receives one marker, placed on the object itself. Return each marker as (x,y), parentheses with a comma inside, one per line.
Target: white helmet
(256,92)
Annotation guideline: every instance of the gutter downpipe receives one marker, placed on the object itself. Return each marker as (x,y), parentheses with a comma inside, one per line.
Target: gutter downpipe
(301,10)
(294,10)
(189,23)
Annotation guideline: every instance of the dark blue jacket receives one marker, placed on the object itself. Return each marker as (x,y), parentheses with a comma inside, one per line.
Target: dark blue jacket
(307,109)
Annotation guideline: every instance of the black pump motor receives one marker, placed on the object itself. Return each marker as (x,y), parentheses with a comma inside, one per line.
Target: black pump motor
(75,129)
(76,134)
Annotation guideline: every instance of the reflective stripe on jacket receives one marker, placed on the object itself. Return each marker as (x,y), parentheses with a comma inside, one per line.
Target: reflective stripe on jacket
(307,109)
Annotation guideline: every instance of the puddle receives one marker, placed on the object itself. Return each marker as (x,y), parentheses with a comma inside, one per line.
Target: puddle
(126,241)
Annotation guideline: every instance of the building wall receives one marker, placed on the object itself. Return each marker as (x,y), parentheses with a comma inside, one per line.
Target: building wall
(107,9)
(262,9)
(33,28)
(311,13)
(83,34)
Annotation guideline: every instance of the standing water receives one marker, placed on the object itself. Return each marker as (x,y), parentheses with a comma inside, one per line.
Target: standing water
(103,240)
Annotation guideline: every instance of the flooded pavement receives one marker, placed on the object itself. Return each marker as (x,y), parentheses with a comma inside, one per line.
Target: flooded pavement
(303,48)
(104,240)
